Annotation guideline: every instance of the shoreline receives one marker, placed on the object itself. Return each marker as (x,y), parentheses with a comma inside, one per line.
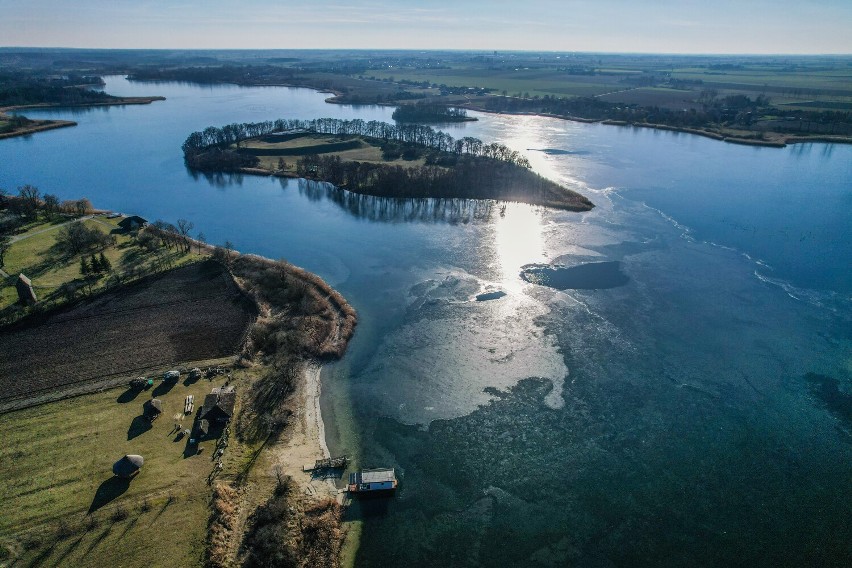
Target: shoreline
(43,125)
(306,441)
(780,140)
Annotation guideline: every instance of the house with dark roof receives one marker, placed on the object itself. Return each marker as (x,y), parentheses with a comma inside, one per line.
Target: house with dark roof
(218,406)
(26,294)
(132,223)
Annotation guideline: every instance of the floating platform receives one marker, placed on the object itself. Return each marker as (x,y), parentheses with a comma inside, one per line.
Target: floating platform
(373,481)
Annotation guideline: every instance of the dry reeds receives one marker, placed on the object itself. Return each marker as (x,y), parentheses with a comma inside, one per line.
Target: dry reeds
(223,521)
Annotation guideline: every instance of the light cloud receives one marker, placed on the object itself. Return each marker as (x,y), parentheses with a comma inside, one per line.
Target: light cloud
(686,26)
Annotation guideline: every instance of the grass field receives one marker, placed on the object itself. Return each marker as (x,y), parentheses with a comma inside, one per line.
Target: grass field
(531,81)
(269,151)
(62,506)
(35,254)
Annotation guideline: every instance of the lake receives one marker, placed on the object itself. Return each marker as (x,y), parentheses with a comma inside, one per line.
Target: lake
(676,390)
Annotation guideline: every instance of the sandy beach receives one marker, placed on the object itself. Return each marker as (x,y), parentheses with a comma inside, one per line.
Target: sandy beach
(306,442)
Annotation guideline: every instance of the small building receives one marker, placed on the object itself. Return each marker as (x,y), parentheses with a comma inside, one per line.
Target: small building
(152,408)
(218,406)
(128,466)
(26,294)
(372,480)
(132,223)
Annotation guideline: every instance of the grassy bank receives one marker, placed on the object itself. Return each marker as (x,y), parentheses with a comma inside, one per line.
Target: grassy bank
(62,505)
(69,509)
(38,252)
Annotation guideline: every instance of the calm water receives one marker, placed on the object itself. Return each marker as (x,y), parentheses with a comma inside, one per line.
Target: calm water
(666,420)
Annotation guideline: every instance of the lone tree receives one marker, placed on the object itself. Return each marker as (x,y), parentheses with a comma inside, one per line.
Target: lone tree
(51,205)
(184,227)
(82,206)
(30,199)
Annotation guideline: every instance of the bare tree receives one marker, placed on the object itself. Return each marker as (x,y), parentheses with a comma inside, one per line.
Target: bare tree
(184,227)
(30,199)
(51,204)
(201,240)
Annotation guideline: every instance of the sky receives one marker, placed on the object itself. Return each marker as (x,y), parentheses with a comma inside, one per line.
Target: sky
(659,26)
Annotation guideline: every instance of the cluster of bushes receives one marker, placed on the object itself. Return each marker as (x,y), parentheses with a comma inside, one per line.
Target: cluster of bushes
(77,238)
(220,160)
(28,203)
(301,318)
(276,539)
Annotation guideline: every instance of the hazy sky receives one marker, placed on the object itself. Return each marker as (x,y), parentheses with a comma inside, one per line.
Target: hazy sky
(672,26)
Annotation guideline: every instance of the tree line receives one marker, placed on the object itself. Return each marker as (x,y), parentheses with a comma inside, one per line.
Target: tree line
(471,177)
(201,144)
(429,112)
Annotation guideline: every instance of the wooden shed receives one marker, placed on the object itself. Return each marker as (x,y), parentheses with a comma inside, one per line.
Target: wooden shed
(26,294)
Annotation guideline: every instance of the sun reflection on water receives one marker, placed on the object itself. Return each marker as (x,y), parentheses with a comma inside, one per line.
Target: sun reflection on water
(518,240)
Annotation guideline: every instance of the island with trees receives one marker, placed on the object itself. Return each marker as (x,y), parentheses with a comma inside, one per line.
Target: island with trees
(430,112)
(379,159)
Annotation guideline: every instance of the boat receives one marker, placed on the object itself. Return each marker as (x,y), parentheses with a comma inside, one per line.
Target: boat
(373,481)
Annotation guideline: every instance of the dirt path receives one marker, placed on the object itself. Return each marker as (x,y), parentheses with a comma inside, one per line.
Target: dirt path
(17,238)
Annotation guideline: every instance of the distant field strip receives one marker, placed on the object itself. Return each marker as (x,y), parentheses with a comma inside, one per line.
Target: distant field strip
(191,313)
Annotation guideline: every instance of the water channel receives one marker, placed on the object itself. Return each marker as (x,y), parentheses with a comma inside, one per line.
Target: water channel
(682,396)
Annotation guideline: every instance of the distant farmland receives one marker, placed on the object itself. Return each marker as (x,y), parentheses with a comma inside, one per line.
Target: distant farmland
(188,314)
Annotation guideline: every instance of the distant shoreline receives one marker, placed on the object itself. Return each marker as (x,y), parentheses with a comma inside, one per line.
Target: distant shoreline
(777,140)
(42,125)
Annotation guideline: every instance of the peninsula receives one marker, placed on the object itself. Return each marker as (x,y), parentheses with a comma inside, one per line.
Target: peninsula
(23,91)
(154,322)
(379,159)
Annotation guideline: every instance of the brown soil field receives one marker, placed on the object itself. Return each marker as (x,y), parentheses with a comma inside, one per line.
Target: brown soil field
(192,313)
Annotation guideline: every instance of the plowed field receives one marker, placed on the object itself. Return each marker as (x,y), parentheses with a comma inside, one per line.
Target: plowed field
(192,313)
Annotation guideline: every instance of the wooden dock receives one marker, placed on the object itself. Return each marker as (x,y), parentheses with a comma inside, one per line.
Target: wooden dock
(328,463)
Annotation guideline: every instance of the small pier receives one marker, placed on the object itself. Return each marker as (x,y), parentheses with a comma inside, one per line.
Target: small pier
(339,462)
